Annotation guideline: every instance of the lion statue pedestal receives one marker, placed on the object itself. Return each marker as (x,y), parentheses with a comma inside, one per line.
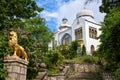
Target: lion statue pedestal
(16,65)
(16,68)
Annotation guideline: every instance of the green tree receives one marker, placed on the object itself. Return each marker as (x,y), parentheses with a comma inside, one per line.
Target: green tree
(117,74)
(13,12)
(33,35)
(110,40)
(73,49)
(107,5)
(83,50)
(109,50)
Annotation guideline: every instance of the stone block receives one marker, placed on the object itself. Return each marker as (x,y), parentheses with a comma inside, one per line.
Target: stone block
(16,68)
(12,76)
(22,77)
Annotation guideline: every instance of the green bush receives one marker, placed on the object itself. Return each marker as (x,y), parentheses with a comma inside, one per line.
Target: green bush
(65,51)
(83,50)
(117,74)
(89,59)
(53,58)
(69,52)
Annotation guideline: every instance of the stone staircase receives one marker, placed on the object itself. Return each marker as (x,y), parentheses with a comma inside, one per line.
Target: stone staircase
(76,72)
(84,76)
(41,75)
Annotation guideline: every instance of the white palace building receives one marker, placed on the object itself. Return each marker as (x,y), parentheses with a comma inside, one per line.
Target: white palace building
(83,29)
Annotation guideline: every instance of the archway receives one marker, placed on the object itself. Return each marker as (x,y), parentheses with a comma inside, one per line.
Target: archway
(92,49)
(66,39)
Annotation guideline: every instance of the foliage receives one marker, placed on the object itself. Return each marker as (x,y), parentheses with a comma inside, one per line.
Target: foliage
(117,74)
(65,51)
(69,52)
(33,35)
(107,5)
(90,59)
(87,59)
(34,38)
(53,58)
(53,70)
(110,39)
(4,49)
(73,49)
(14,12)
(83,50)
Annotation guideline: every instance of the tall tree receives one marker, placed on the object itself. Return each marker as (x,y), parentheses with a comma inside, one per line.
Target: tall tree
(110,39)
(13,12)
(33,35)
(36,43)
(106,4)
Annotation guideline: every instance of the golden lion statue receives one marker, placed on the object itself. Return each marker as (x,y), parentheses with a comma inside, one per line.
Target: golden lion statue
(13,44)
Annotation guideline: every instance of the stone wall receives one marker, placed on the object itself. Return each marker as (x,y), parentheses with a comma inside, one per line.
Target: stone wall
(79,72)
(84,67)
(16,68)
(60,76)
(88,68)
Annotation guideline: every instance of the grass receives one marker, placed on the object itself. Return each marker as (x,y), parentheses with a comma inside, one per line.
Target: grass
(87,59)
(53,70)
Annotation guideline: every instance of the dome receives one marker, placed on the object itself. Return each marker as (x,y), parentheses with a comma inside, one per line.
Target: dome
(64,20)
(64,24)
(85,12)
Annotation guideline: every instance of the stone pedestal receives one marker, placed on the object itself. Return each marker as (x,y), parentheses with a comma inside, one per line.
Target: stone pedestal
(16,68)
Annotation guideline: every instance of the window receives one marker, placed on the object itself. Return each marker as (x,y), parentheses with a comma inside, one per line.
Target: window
(78,33)
(92,49)
(66,39)
(92,32)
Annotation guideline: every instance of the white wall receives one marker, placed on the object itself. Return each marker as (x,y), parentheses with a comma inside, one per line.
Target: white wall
(91,41)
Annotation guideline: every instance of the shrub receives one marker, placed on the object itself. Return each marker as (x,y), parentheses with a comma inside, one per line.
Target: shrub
(83,50)
(69,52)
(117,74)
(89,59)
(54,58)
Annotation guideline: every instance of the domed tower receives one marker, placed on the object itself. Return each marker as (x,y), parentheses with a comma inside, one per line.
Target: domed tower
(64,24)
(86,14)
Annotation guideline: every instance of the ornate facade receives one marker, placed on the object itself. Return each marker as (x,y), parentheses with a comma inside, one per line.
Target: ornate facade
(83,29)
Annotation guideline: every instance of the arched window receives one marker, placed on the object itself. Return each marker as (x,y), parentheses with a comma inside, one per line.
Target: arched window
(92,49)
(81,33)
(95,34)
(78,33)
(66,39)
(92,32)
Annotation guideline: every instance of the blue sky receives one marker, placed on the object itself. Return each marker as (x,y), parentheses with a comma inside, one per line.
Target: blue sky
(55,10)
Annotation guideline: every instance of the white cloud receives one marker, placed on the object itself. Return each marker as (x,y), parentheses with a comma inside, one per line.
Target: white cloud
(48,15)
(69,10)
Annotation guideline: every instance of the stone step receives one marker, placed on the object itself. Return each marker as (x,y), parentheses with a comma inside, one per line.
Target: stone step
(41,75)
